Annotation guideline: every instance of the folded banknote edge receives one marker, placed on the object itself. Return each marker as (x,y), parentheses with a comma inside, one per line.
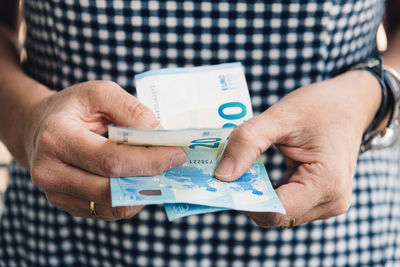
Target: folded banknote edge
(183,70)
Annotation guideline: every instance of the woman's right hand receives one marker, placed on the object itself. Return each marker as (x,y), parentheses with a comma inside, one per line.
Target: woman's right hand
(71,161)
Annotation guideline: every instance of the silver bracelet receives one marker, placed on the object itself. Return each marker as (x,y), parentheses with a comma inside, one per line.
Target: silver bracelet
(390,135)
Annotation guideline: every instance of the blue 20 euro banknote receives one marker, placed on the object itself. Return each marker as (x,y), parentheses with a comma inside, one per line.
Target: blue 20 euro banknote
(193,182)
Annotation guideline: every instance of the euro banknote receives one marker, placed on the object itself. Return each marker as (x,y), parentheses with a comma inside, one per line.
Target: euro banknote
(189,137)
(209,96)
(194,181)
(200,97)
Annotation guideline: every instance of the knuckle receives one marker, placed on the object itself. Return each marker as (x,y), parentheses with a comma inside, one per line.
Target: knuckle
(267,223)
(341,207)
(261,223)
(322,180)
(105,85)
(335,189)
(40,177)
(45,136)
(122,212)
(157,167)
(146,172)
(266,220)
(245,134)
(36,175)
(105,195)
(95,91)
(110,84)
(140,111)
(111,165)
(52,199)
(241,133)
(142,114)
(153,123)
(332,191)
(151,166)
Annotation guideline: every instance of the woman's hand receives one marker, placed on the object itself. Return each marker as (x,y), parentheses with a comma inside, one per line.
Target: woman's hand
(318,128)
(72,162)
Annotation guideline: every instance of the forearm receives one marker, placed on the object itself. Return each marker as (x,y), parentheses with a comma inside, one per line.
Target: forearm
(18,95)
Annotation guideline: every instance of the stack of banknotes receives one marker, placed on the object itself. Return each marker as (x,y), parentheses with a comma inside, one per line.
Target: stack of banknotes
(198,108)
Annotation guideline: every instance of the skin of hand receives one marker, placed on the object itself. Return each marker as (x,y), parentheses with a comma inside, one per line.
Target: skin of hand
(58,136)
(318,128)
(71,161)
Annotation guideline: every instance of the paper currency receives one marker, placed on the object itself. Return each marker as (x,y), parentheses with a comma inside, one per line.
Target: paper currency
(194,182)
(195,138)
(211,97)
(201,97)
(248,193)
(179,210)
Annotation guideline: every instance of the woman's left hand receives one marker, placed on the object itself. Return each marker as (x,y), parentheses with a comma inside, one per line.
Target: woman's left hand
(318,128)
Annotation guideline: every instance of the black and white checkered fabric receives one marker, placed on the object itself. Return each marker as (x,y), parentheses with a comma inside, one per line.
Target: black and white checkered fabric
(283,45)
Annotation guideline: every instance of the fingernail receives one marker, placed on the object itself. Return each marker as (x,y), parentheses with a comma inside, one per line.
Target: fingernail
(178,159)
(225,168)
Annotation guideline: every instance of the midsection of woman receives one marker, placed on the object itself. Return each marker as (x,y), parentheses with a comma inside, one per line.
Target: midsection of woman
(283,46)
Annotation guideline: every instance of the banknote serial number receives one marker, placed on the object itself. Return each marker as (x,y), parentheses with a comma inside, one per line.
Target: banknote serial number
(201,161)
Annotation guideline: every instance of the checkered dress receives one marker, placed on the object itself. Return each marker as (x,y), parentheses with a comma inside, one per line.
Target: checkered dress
(283,45)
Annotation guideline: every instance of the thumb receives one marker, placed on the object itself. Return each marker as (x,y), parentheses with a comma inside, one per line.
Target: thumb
(122,108)
(245,144)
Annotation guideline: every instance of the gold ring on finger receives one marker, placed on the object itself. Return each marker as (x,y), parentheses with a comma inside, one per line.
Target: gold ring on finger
(92,209)
(292,222)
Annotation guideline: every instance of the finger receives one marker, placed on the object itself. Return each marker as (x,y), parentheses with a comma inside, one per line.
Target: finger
(303,192)
(245,144)
(291,167)
(80,208)
(307,196)
(305,189)
(120,107)
(58,177)
(269,219)
(96,154)
(322,212)
(272,219)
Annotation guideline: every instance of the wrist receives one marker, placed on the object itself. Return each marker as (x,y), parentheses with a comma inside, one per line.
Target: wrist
(19,94)
(20,98)
(32,113)
(383,131)
(366,94)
